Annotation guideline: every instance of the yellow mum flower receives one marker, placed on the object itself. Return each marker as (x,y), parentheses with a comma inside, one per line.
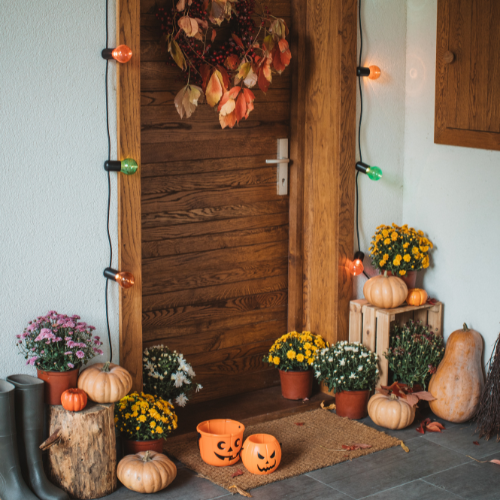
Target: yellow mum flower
(402,272)
(396,262)
(276,360)
(407,257)
(142,418)
(127,416)
(137,428)
(414,250)
(387,241)
(307,345)
(386,256)
(152,424)
(308,353)
(406,245)
(159,430)
(135,408)
(394,236)
(382,263)
(270,359)
(300,358)
(116,419)
(135,414)
(420,233)
(310,361)
(291,354)
(385,233)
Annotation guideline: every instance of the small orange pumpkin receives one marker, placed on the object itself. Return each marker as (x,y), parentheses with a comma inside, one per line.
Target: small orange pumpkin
(220,441)
(74,399)
(416,297)
(261,454)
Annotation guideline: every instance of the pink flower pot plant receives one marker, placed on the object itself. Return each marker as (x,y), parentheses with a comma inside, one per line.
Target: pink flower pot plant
(58,343)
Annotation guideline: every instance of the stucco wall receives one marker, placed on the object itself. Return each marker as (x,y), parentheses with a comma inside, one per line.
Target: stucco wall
(450,192)
(53,193)
(382,134)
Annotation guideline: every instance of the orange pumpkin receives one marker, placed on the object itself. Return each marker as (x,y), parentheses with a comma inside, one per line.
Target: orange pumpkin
(261,454)
(220,441)
(390,411)
(385,291)
(105,382)
(416,297)
(459,380)
(74,399)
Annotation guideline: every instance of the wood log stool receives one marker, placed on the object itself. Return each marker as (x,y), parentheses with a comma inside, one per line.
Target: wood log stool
(82,450)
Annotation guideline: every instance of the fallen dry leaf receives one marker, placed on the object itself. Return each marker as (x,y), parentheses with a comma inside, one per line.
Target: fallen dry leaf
(432,301)
(354,447)
(407,450)
(243,493)
(237,473)
(299,423)
(434,427)
(495,461)
(329,407)
(476,443)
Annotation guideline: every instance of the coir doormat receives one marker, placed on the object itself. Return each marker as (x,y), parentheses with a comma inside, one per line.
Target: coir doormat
(309,441)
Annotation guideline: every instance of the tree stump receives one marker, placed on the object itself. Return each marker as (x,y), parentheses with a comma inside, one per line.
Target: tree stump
(82,461)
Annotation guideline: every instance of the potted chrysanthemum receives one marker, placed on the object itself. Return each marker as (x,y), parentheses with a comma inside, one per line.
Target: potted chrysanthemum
(401,251)
(351,370)
(144,421)
(57,345)
(168,375)
(293,354)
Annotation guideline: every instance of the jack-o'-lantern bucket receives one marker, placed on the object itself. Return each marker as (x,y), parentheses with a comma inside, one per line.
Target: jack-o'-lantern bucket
(261,454)
(220,441)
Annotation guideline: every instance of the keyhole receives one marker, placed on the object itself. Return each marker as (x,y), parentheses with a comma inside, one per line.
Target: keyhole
(282,182)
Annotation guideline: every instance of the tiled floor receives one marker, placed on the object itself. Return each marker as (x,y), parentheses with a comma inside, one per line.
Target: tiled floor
(438,467)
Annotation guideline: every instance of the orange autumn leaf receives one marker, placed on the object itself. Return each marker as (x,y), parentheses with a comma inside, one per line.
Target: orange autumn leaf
(225,77)
(277,63)
(263,81)
(241,108)
(205,75)
(228,120)
(229,95)
(237,472)
(243,70)
(249,99)
(285,53)
(186,101)
(214,89)
(214,33)
(495,461)
(238,41)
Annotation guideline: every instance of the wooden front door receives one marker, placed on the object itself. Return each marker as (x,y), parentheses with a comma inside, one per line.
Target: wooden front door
(214,230)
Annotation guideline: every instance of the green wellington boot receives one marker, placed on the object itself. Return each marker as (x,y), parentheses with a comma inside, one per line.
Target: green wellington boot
(29,416)
(12,485)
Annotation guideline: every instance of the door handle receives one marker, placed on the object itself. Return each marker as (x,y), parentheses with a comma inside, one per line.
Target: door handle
(282,167)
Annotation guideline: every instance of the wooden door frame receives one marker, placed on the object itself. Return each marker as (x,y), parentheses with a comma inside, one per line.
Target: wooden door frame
(323,159)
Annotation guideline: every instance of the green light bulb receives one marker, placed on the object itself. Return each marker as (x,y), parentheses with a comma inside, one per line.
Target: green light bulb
(374,173)
(129,166)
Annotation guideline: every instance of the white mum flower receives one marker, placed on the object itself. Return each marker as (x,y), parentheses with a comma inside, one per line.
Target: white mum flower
(353,375)
(342,362)
(360,368)
(179,379)
(199,387)
(342,377)
(191,372)
(330,359)
(181,400)
(318,374)
(183,365)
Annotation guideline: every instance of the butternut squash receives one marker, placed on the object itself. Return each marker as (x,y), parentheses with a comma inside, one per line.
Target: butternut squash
(459,380)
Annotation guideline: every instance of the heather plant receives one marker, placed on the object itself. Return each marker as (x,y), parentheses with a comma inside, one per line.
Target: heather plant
(59,343)
(414,353)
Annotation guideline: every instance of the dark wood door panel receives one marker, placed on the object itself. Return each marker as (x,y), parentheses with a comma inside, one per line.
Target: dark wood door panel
(468,87)
(215,233)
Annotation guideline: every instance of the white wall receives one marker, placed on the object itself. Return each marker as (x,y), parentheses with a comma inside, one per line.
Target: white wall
(53,193)
(451,193)
(382,133)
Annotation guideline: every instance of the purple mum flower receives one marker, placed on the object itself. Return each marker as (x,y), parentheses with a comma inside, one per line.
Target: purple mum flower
(32,360)
(68,353)
(80,354)
(71,365)
(98,351)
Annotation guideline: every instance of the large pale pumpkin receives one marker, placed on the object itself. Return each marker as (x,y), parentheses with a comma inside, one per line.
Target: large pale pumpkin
(385,291)
(390,411)
(146,472)
(105,382)
(459,380)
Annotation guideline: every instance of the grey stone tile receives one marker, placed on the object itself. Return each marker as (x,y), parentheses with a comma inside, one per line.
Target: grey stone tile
(186,486)
(297,488)
(472,481)
(461,438)
(389,468)
(416,490)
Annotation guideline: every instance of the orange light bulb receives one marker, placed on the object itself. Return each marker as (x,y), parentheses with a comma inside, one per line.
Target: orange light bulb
(125,280)
(357,267)
(374,73)
(122,54)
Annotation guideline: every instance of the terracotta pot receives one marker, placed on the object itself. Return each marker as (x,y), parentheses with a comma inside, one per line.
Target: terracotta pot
(296,384)
(56,383)
(131,447)
(410,278)
(352,404)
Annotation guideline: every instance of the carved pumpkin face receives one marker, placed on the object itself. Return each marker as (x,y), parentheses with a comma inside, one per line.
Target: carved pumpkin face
(220,441)
(261,454)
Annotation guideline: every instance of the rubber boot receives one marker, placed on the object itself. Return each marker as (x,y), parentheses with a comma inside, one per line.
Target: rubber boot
(29,416)
(12,485)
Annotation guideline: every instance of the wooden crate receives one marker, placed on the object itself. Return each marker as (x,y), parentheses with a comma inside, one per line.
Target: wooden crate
(371,326)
